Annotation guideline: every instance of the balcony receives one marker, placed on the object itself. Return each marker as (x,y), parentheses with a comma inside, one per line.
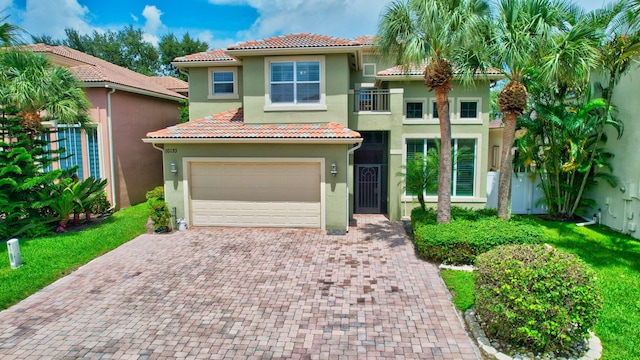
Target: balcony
(371,100)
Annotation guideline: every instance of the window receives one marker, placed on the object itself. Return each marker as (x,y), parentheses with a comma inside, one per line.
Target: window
(464,163)
(296,82)
(369,70)
(414,109)
(94,158)
(469,110)
(69,138)
(434,110)
(223,83)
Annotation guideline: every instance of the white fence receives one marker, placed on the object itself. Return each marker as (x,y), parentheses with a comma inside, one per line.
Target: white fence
(524,193)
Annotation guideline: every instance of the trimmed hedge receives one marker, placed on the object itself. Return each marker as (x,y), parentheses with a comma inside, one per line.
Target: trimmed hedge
(536,296)
(470,233)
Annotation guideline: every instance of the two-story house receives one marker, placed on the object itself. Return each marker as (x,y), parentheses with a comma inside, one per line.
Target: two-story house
(304,130)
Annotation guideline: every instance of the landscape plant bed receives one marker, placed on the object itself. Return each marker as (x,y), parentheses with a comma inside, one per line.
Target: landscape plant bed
(49,258)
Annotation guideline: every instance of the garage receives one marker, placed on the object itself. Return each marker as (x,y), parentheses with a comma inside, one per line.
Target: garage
(256,194)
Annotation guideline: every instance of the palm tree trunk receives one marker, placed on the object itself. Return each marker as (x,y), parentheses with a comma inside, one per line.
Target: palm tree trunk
(506,166)
(446,163)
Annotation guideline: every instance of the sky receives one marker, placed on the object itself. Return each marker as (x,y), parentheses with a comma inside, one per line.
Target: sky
(219,23)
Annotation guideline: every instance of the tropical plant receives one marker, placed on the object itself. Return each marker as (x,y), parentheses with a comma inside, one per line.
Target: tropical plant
(9,33)
(436,35)
(158,209)
(36,90)
(522,31)
(562,141)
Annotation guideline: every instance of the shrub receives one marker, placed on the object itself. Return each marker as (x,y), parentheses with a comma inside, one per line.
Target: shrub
(158,209)
(470,233)
(101,204)
(536,296)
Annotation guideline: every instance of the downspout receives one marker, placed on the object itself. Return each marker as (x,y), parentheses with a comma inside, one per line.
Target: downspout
(111,160)
(349,152)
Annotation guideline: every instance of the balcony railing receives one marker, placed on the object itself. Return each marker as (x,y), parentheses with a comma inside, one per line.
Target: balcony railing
(374,100)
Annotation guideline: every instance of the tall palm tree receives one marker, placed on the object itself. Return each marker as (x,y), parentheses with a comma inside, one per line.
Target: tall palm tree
(522,31)
(35,90)
(9,33)
(433,34)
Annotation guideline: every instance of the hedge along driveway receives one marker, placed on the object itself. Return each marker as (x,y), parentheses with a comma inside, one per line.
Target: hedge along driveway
(48,258)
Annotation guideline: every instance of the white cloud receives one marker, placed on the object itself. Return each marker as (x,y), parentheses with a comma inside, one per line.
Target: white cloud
(342,18)
(135,18)
(53,16)
(152,24)
(6,5)
(213,42)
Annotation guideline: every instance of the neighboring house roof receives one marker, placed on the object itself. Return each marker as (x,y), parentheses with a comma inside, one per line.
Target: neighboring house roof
(365,40)
(230,125)
(414,70)
(496,124)
(206,56)
(171,83)
(289,41)
(93,71)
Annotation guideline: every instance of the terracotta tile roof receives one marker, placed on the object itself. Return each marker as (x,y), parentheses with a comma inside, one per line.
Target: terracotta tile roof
(496,124)
(365,40)
(170,83)
(211,55)
(91,69)
(419,70)
(303,40)
(230,124)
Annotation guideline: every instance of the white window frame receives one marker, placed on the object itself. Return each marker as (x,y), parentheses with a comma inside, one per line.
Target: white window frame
(269,106)
(233,70)
(459,120)
(434,120)
(425,111)
(372,70)
(475,198)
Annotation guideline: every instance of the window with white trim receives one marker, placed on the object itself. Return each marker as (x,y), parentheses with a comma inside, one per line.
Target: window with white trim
(464,153)
(295,82)
(369,70)
(434,110)
(414,109)
(79,145)
(223,83)
(469,110)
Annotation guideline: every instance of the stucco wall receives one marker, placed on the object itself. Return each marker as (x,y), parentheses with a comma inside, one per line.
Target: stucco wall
(335,188)
(138,166)
(619,214)
(199,103)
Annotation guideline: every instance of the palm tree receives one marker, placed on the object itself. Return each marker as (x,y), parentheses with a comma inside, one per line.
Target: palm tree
(35,90)
(9,33)
(523,30)
(433,34)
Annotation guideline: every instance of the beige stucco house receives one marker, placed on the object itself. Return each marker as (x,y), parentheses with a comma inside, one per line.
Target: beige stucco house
(125,106)
(304,130)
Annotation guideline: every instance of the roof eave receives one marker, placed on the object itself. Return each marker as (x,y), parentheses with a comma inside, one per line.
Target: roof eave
(252,140)
(110,85)
(239,53)
(207,63)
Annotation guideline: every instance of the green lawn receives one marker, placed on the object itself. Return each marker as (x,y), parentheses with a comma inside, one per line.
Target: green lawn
(49,258)
(616,260)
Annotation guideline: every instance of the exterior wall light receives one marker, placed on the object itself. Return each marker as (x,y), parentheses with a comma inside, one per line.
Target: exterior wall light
(334,169)
(174,168)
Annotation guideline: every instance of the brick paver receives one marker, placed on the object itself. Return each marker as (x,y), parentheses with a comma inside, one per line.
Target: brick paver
(221,293)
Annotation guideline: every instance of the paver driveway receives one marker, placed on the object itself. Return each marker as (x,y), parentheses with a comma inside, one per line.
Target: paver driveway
(245,293)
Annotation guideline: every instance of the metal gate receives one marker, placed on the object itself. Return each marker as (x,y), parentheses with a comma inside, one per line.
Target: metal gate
(367,185)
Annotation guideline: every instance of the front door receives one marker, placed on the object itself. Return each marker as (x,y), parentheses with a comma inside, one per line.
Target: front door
(368,185)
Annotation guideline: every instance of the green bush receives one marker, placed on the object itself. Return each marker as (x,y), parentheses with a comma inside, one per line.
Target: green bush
(158,209)
(536,296)
(470,233)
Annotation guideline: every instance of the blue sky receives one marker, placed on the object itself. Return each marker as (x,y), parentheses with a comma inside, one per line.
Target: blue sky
(218,22)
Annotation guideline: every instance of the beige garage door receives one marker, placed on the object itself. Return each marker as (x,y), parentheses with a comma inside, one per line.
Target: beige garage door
(274,194)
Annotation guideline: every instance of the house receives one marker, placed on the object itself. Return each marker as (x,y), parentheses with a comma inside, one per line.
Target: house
(619,207)
(304,130)
(125,106)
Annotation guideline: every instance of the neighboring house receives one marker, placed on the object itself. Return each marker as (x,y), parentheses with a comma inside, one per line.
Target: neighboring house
(172,83)
(125,106)
(620,206)
(308,129)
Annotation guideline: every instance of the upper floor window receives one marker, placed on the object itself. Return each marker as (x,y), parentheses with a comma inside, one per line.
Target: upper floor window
(434,110)
(295,83)
(414,109)
(469,110)
(223,83)
(369,70)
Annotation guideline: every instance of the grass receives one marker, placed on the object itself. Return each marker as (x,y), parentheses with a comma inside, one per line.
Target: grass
(616,259)
(49,258)
(460,283)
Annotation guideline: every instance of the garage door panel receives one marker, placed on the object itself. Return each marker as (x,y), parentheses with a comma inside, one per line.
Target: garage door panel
(283,194)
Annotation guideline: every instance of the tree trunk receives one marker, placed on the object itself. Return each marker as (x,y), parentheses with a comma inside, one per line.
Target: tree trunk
(506,166)
(446,163)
